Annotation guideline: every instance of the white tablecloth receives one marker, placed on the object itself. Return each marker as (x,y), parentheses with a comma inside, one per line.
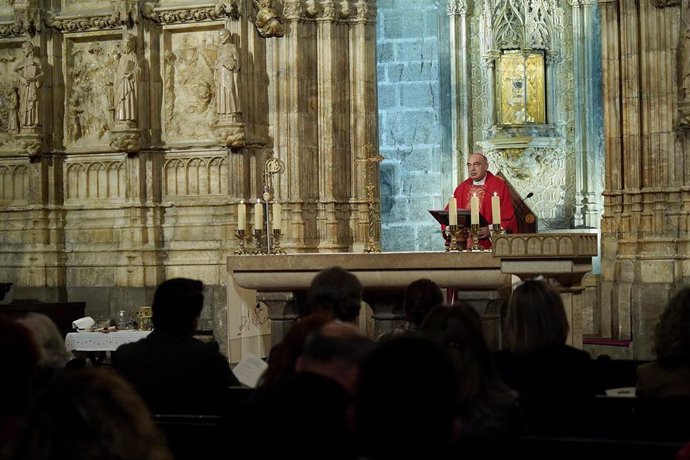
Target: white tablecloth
(101,341)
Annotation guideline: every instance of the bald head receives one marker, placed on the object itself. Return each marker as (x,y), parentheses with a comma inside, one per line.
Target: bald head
(477,166)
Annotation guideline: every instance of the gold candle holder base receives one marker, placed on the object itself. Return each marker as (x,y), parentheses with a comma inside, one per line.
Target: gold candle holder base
(243,240)
(496,229)
(259,236)
(458,238)
(276,249)
(474,231)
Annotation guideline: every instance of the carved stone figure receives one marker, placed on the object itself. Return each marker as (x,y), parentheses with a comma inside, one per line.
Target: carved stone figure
(30,74)
(267,22)
(126,76)
(75,111)
(13,109)
(227,76)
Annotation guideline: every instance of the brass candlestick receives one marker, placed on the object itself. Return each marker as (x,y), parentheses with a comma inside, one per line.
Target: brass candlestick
(276,249)
(458,238)
(244,239)
(259,235)
(474,231)
(496,229)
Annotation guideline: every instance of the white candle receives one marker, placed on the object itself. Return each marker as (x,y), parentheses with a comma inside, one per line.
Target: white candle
(496,209)
(453,211)
(258,216)
(277,216)
(242,215)
(474,210)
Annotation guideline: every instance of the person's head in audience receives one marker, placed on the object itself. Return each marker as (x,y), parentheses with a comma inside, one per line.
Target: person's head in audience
(48,338)
(19,355)
(536,317)
(284,355)
(406,403)
(88,414)
(335,350)
(337,291)
(177,305)
(459,329)
(420,297)
(672,333)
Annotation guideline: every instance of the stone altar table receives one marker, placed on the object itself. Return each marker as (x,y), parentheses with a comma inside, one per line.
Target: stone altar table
(274,280)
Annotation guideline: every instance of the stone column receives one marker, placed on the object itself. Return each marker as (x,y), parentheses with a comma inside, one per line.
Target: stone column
(588,127)
(461,87)
(364,111)
(644,231)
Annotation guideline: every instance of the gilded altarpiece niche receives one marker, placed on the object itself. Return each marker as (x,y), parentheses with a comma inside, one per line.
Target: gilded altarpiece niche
(89,105)
(189,86)
(521,88)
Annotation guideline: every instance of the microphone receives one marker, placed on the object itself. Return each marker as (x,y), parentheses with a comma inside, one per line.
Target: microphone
(529,195)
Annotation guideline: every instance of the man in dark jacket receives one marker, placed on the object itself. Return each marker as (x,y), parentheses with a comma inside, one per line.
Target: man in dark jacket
(170,357)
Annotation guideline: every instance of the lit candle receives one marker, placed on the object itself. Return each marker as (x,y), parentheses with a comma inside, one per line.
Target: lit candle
(474,210)
(258,215)
(453,211)
(496,209)
(277,216)
(242,215)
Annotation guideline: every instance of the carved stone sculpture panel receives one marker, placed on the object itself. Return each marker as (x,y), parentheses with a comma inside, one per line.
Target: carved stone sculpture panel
(189,93)
(89,91)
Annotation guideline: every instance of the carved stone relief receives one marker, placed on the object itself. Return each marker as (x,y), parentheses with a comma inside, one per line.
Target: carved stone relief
(9,99)
(14,183)
(171,15)
(189,86)
(205,175)
(268,22)
(97,180)
(542,171)
(684,66)
(21,79)
(90,95)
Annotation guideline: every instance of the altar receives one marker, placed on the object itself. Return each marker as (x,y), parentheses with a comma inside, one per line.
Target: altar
(262,289)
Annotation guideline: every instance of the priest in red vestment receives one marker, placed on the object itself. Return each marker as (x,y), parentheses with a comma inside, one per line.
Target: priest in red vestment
(484,184)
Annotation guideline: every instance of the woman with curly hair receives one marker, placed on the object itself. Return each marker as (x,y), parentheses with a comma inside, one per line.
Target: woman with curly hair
(669,374)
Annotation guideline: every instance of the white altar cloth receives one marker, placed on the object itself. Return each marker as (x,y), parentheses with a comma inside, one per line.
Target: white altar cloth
(101,341)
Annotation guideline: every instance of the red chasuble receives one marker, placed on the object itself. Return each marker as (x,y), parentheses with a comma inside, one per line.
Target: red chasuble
(492,184)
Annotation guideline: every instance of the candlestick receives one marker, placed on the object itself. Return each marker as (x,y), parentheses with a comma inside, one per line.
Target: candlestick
(474,210)
(242,215)
(277,216)
(453,211)
(496,209)
(258,216)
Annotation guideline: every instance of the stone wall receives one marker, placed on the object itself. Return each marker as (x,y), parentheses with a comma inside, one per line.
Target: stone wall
(413,121)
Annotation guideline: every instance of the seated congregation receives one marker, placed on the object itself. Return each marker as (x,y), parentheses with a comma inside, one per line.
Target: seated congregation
(431,389)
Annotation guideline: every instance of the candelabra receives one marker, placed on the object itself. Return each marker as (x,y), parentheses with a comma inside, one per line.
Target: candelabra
(276,249)
(244,239)
(496,229)
(474,231)
(259,236)
(458,238)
